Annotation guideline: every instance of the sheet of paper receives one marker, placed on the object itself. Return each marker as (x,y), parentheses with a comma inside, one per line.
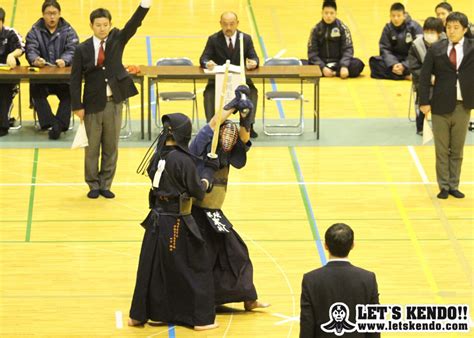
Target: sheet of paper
(427,132)
(221,69)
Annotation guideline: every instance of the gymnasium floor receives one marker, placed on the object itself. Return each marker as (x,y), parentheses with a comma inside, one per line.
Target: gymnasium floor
(68,264)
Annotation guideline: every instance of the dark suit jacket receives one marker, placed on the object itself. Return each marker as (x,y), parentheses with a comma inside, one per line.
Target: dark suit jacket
(444,92)
(112,73)
(217,50)
(335,282)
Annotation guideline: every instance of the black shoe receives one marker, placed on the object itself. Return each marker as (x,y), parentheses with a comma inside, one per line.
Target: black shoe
(456,193)
(253,133)
(107,193)
(93,194)
(443,194)
(11,122)
(419,132)
(55,132)
(3,132)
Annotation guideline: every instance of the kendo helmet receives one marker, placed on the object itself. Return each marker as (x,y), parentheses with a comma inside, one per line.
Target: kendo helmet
(178,126)
(228,135)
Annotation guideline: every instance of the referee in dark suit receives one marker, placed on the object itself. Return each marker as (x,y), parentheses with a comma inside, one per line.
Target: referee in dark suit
(107,84)
(225,45)
(451,61)
(337,281)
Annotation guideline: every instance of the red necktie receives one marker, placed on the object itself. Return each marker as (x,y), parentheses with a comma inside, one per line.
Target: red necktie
(101,55)
(231,47)
(453,57)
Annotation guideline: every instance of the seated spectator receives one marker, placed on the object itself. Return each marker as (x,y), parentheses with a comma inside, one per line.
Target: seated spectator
(10,50)
(337,282)
(330,46)
(395,42)
(51,42)
(432,30)
(443,9)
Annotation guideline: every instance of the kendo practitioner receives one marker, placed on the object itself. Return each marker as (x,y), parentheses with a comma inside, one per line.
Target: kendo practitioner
(174,279)
(229,256)
(330,46)
(395,42)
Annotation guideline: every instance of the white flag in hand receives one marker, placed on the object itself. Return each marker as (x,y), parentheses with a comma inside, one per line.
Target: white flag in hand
(427,132)
(80,140)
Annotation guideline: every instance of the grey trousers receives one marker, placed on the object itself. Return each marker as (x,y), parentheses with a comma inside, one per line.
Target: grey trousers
(449,132)
(103,131)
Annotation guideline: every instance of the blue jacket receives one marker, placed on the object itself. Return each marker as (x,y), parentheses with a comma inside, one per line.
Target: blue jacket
(395,42)
(59,45)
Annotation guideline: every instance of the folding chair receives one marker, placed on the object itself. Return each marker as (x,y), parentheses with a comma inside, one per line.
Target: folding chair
(126,121)
(175,96)
(283,96)
(412,103)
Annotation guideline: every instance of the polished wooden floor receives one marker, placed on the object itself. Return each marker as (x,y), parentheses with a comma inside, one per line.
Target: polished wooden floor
(68,264)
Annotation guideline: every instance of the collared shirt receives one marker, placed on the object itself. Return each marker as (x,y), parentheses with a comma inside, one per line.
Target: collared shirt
(459,56)
(96,42)
(338,260)
(233,38)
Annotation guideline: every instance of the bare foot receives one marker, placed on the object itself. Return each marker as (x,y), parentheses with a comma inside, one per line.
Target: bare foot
(206,327)
(249,305)
(134,322)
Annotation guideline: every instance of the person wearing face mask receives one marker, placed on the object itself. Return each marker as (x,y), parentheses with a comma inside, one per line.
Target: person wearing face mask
(395,42)
(432,29)
(225,45)
(451,61)
(330,46)
(442,10)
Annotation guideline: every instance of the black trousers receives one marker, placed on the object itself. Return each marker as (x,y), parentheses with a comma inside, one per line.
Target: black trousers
(379,70)
(39,94)
(6,98)
(210,97)
(356,66)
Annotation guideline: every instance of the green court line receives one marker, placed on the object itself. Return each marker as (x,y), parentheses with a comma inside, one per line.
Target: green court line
(13,13)
(32,197)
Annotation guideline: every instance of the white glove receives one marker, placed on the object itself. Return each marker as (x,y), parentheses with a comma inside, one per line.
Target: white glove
(145,3)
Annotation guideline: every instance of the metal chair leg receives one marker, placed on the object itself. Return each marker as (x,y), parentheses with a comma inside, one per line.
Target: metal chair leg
(126,121)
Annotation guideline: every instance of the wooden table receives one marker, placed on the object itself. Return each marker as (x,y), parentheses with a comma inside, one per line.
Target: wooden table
(54,75)
(303,73)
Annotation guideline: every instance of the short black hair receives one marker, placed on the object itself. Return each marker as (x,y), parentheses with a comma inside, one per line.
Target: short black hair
(330,3)
(2,14)
(339,239)
(458,16)
(49,3)
(100,13)
(397,6)
(433,24)
(444,5)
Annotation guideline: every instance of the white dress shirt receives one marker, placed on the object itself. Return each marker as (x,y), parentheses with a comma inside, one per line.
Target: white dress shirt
(96,41)
(233,38)
(459,56)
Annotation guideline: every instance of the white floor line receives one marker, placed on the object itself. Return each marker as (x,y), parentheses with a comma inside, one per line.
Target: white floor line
(118,320)
(228,325)
(418,165)
(143,184)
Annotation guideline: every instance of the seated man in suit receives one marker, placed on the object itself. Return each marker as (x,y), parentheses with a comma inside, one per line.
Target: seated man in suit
(394,44)
(10,50)
(337,281)
(330,46)
(432,29)
(451,61)
(443,9)
(106,85)
(225,45)
(51,42)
